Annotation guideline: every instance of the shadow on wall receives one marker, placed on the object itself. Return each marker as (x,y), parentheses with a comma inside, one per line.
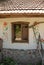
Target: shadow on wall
(3,0)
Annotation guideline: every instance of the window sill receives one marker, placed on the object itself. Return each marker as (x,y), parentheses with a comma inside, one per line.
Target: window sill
(22,41)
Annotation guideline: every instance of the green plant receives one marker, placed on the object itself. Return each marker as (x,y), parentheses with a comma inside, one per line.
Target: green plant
(8,61)
(1,63)
(30,64)
(39,63)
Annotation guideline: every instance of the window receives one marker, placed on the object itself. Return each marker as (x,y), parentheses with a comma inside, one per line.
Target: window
(19,32)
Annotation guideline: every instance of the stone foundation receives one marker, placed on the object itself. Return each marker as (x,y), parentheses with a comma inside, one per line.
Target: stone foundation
(22,56)
(0,56)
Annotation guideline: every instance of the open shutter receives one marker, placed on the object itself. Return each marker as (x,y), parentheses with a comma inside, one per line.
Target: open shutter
(13,33)
(24,31)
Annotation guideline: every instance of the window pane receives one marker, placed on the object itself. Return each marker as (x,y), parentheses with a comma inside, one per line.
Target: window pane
(17,28)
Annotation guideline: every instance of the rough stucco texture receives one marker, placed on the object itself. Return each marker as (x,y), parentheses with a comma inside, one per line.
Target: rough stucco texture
(7,42)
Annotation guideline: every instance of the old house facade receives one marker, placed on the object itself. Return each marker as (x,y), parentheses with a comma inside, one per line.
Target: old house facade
(15,19)
(21,12)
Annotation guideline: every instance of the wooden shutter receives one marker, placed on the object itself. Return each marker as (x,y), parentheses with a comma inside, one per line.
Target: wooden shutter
(13,33)
(24,31)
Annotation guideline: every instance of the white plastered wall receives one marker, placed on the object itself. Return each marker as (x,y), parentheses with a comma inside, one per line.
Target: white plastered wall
(7,43)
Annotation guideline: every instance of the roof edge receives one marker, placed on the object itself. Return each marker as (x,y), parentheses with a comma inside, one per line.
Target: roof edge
(24,11)
(14,15)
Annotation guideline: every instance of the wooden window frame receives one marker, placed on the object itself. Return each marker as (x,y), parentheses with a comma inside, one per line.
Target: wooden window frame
(22,41)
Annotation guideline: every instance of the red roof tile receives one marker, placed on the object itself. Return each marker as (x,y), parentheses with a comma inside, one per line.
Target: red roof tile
(9,5)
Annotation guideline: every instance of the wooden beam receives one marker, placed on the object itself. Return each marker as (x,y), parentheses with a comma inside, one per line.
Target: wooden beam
(12,15)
